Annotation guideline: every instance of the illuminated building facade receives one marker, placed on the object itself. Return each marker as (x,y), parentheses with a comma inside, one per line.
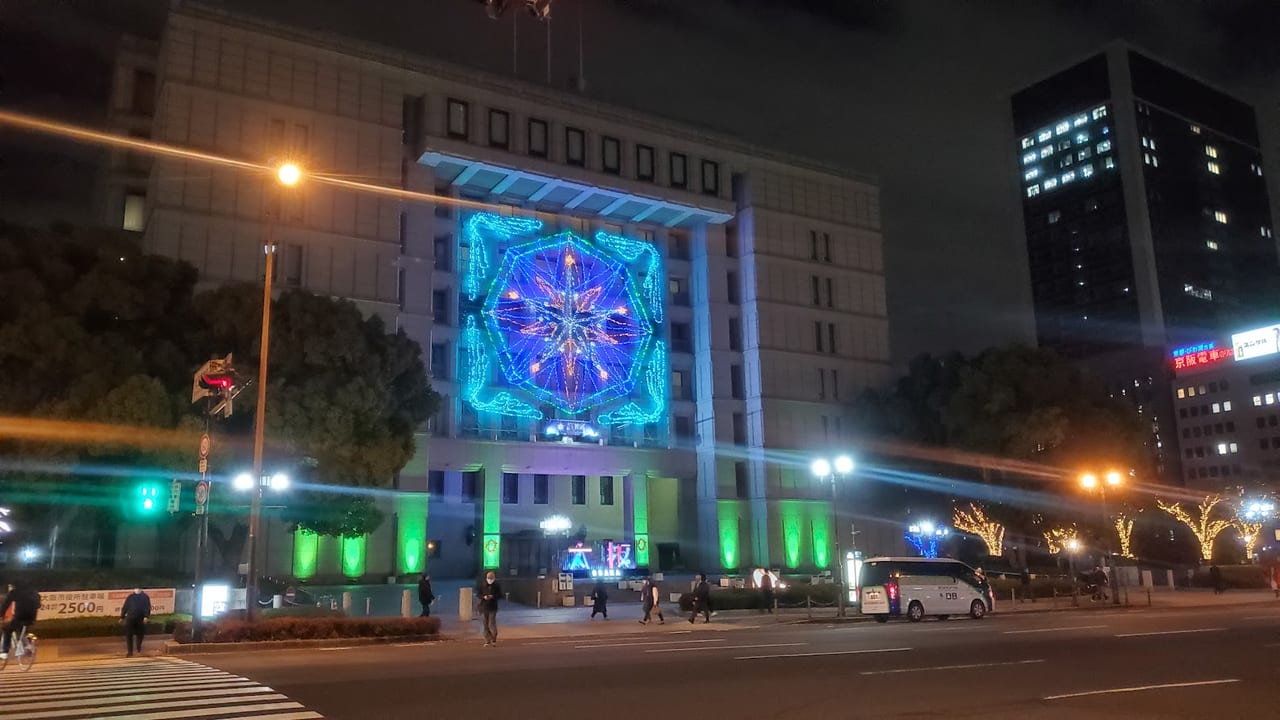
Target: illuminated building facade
(645,332)
(1147,222)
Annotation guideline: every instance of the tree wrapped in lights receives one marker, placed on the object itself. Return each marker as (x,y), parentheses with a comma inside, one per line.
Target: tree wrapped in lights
(1124,528)
(1205,527)
(975,520)
(1250,531)
(1059,538)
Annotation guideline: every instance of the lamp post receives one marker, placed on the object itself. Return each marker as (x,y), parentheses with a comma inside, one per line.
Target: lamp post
(1073,545)
(1091,482)
(287,175)
(828,471)
(256,483)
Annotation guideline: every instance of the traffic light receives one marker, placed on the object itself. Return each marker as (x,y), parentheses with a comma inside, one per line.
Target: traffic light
(147,499)
(216,379)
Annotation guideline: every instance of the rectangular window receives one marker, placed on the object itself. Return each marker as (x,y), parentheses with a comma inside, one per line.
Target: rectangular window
(135,212)
(735,334)
(1220,216)
(710,177)
(835,384)
(831,338)
(826,244)
(736,382)
(578,490)
(458,119)
(610,155)
(1214,168)
(732,288)
(731,240)
(1211,151)
(541,489)
(644,163)
(435,483)
(441,245)
(538,135)
(817,294)
(440,307)
(469,482)
(499,129)
(813,244)
(439,361)
(822,384)
(575,147)
(741,484)
(413,110)
(831,293)
(684,427)
(606,490)
(679,245)
(739,429)
(680,388)
(817,335)
(681,340)
(679,170)
(144,92)
(679,288)
(510,489)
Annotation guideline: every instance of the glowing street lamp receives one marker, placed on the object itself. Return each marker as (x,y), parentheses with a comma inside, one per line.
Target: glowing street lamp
(824,470)
(1091,482)
(289,174)
(1073,547)
(5,526)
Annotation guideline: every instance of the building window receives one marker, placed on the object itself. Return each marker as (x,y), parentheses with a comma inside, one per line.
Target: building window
(831,293)
(440,307)
(710,177)
(679,288)
(1055,216)
(736,382)
(610,155)
(606,490)
(510,489)
(680,387)
(441,245)
(822,383)
(1226,406)
(1211,151)
(538,135)
(135,212)
(741,485)
(735,334)
(831,338)
(469,482)
(732,288)
(684,427)
(817,335)
(578,490)
(1034,190)
(575,147)
(1265,231)
(435,482)
(1220,216)
(458,121)
(817,294)
(144,92)
(813,244)
(439,361)
(678,245)
(1211,244)
(680,338)
(679,170)
(835,384)
(1214,168)
(499,129)
(739,429)
(413,109)
(644,163)
(826,247)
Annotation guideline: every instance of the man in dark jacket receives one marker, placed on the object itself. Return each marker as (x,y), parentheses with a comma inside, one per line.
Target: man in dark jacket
(599,601)
(649,601)
(489,592)
(134,615)
(766,590)
(425,595)
(25,604)
(701,599)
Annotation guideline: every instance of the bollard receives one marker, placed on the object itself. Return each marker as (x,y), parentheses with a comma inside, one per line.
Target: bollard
(464,603)
(808,604)
(368,606)
(277,601)
(1148,597)
(539,605)
(1013,596)
(406,604)
(346,603)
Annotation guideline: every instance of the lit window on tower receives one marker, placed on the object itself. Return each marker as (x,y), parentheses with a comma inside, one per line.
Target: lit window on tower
(1211,151)
(1100,112)
(1220,216)
(1214,168)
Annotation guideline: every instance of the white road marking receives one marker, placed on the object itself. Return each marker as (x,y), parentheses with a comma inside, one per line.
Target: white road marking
(1170,632)
(657,642)
(1141,688)
(1053,629)
(950,667)
(725,647)
(820,654)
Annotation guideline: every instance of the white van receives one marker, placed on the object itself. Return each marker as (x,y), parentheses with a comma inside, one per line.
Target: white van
(916,587)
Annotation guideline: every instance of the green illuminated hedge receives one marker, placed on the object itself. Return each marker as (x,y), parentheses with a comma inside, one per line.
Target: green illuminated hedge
(308,628)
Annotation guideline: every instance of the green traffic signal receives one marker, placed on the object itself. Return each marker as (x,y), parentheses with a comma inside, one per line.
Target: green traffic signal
(147,495)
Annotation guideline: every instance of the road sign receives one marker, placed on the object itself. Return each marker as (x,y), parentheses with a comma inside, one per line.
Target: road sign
(175,496)
(202,496)
(565,582)
(205,444)
(203,466)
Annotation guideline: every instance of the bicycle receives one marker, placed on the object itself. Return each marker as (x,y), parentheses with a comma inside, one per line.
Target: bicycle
(23,650)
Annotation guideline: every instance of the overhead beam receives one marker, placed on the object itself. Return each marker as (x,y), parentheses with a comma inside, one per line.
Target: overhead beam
(547,188)
(467,173)
(678,219)
(505,183)
(619,202)
(580,198)
(645,213)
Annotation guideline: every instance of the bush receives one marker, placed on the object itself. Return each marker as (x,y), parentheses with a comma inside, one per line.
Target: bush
(1235,577)
(89,627)
(1041,587)
(308,628)
(753,599)
(301,611)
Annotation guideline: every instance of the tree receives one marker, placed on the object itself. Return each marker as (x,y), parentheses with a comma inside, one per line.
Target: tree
(975,520)
(1203,525)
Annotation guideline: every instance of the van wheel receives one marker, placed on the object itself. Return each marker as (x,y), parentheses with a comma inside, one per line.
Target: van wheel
(942,617)
(977,610)
(915,611)
(882,618)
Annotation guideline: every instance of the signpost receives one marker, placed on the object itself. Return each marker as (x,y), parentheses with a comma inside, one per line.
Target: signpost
(202,527)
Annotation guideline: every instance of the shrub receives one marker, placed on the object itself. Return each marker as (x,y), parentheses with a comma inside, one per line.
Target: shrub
(753,599)
(1041,587)
(1236,577)
(308,628)
(300,611)
(89,627)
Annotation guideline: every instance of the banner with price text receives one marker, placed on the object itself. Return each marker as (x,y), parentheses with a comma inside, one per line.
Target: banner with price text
(99,603)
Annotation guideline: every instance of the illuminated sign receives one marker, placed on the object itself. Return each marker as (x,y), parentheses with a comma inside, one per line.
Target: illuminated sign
(556,524)
(1193,349)
(1201,358)
(1256,343)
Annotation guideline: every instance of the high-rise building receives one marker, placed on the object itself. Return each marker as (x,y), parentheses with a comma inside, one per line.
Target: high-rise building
(645,333)
(1147,220)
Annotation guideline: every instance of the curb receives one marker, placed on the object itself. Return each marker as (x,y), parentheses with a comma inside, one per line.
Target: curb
(177,648)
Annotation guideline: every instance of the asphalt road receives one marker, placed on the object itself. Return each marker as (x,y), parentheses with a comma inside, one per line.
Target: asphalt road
(1194,663)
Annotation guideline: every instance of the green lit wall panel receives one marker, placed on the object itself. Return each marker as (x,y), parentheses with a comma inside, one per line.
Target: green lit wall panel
(791,515)
(355,553)
(411,543)
(640,518)
(306,554)
(730,538)
(820,519)
(492,550)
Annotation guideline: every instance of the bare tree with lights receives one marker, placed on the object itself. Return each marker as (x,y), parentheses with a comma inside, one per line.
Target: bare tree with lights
(1205,527)
(1124,529)
(975,520)
(1059,538)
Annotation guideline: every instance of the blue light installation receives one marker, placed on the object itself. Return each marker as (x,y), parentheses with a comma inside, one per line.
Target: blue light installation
(566,322)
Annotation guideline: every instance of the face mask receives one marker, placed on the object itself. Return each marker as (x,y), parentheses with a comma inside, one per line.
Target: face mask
(137,591)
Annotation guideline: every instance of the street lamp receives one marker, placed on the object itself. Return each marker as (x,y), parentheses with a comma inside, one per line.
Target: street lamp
(1091,482)
(825,471)
(288,174)
(256,483)
(1073,546)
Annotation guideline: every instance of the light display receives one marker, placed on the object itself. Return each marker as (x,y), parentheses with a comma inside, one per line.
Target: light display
(1059,539)
(1206,528)
(355,553)
(823,541)
(640,517)
(572,324)
(1201,357)
(1124,529)
(727,515)
(924,537)
(411,529)
(306,552)
(1259,342)
(974,519)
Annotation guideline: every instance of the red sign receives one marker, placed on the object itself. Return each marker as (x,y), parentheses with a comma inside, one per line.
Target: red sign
(1203,357)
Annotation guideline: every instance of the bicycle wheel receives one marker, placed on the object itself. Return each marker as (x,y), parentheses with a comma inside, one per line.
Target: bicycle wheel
(4,663)
(28,656)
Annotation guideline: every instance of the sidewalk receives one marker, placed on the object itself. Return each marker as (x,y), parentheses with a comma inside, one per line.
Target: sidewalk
(1157,599)
(98,648)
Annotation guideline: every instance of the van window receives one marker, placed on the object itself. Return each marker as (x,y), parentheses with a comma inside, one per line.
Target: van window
(876,573)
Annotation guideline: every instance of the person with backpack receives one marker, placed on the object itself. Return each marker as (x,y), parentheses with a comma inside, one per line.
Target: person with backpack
(21,606)
(649,599)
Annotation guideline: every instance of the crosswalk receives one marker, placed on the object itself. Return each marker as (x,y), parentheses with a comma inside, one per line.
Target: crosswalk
(142,689)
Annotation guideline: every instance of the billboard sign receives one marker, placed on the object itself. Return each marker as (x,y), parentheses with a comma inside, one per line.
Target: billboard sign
(100,603)
(1260,342)
(1201,358)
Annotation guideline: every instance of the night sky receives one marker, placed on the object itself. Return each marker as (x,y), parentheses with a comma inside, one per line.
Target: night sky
(914,92)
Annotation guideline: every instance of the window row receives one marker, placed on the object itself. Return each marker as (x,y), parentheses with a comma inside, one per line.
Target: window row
(1214,471)
(458,124)
(1213,387)
(511,488)
(1206,409)
(1209,430)
(1267,399)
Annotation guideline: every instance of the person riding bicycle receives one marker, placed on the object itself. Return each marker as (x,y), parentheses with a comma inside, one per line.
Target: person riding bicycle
(24,604)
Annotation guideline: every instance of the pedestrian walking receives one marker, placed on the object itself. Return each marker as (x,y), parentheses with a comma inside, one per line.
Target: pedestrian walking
(766,589)
(426,595)
(1275,579)
(599,601)
(701,599)
(134,615)
(1215,576)
(1024,579)
(649,599)
(489,591)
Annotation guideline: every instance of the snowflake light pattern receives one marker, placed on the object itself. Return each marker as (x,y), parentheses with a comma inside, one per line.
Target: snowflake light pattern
(567,322)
